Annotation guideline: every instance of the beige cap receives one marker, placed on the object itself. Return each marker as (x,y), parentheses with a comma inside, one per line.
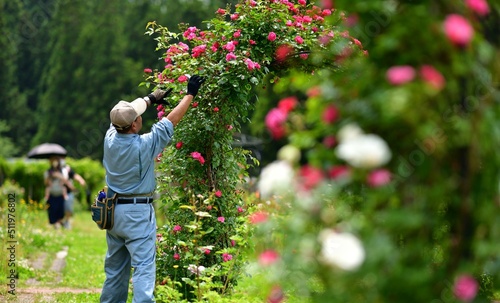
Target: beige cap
(124,113)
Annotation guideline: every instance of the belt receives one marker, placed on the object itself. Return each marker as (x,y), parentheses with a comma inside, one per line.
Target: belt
(139,200)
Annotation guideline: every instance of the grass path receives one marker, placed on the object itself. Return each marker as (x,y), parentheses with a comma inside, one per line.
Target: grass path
(58,265)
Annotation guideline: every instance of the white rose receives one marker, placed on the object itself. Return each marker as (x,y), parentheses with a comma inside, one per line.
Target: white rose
(275,178)
(348,132)
(364,151)
(342,250)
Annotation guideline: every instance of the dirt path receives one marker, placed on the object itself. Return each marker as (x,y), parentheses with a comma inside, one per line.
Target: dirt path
(34,292)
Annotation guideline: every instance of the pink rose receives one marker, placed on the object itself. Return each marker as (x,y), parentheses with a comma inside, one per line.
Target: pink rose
(178,145)
(195,104)
(182,78)
(234,16)
(230,57)
(221,219)
(299,40)
(339,171)
(237,34)
(432,76)
(288,104)
(271,37)
(216,109)
(330,114)
(268,257)
(221,11)
(160,115)
(480,7)
(465,288)
(218,194)
(379,178)
(401,74)
(227,257)
(197,156)
(282,52)
(310,176)
(207,251)
(458,30)
(275,120)
(240,209)
(177,228)
(230,46)
(177,256)
(329,141)
(148,70)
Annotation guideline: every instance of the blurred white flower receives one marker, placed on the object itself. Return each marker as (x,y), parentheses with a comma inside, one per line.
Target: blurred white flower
(348,132)
(342,250)
(364,151)
(289,153)
(275,178)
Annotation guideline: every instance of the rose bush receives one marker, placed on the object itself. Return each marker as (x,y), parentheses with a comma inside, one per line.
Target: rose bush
(200,174)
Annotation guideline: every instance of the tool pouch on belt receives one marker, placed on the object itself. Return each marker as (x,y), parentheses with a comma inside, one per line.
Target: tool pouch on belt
(103,212)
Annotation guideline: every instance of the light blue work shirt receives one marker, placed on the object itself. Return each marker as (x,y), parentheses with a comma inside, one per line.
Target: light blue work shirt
(129,159)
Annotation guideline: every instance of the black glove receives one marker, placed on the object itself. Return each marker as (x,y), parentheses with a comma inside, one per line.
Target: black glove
(194,85)
(158,96)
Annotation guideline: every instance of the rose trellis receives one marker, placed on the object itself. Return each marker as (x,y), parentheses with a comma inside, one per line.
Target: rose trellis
(201,172)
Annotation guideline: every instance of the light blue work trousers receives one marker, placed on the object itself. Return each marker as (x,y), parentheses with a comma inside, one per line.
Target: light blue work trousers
(131,243)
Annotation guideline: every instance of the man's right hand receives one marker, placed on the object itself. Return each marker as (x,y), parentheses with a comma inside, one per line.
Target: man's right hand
(159,95)
(194,85)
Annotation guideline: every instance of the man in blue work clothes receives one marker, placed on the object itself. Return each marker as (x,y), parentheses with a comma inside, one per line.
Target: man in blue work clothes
(129,163)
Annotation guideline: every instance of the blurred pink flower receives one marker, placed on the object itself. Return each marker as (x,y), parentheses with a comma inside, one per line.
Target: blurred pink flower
(177,256)
(252,42)
(251,65)
(216,109)
(182,78)
(465,288)
(218,194)
(207,251)
(227,257)
(299,40)
(275,120)
(258,217)
(310,176)
(197,156)
(148,70)
(268,257)
(339,171)
(271,37)
(302,2)
(458,30)
(314,91)
(304,56)
(237,34)
(480,7)
(221,11)
(234,16)
(401,74)
(233,243)
(177,228)
(330,114)
(329,141)
(221,219)
(230,57)
(240,209)
(282,52)
(288,104)
(160,114)
(432,76)
(195,104)
(276,295)
(178,145)
(379,178)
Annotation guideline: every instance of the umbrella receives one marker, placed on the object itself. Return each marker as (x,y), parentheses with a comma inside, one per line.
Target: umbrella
(46,151)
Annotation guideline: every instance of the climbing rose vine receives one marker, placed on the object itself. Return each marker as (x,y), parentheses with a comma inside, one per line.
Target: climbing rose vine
(201,173)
